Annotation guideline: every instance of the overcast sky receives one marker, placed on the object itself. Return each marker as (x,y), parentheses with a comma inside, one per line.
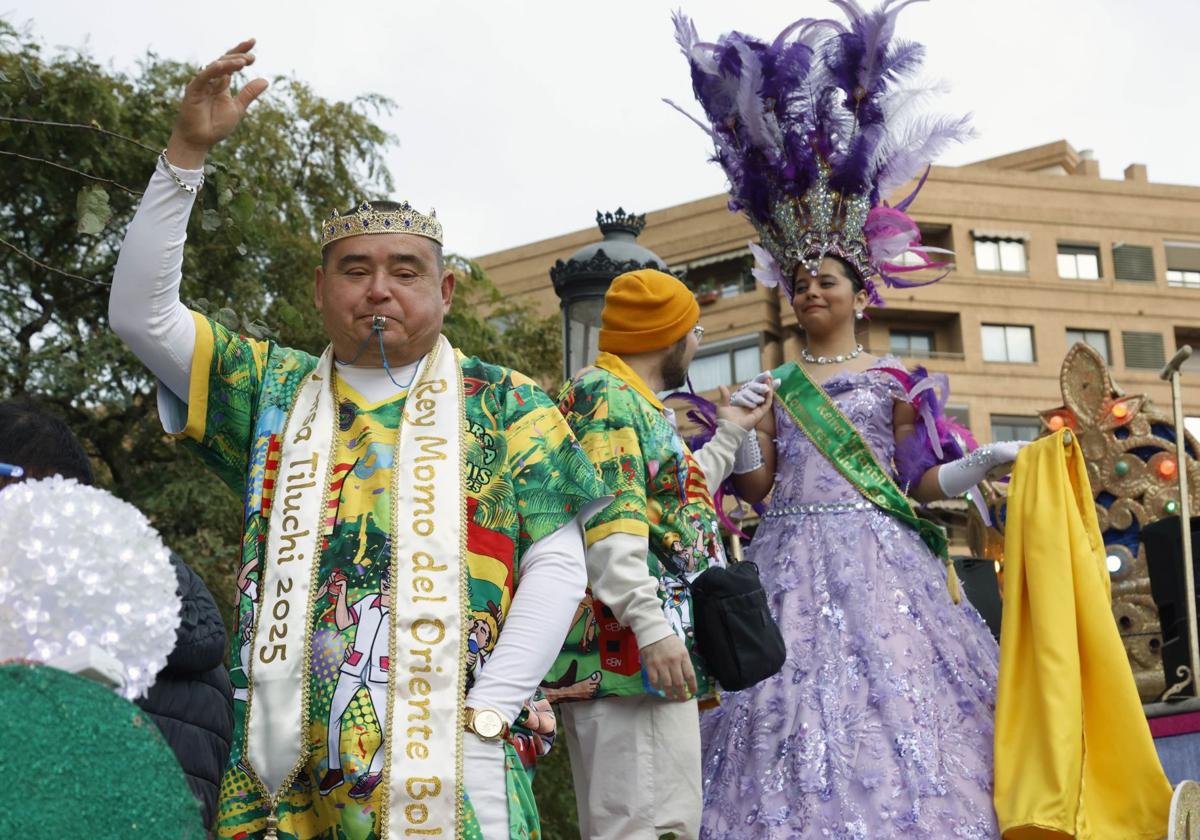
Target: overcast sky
(518,120)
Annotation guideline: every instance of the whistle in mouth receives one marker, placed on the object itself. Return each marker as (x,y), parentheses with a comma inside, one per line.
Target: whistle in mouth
(378,322)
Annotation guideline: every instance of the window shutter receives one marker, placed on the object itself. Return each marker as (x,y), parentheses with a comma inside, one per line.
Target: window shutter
(1143,350)
(1134,262)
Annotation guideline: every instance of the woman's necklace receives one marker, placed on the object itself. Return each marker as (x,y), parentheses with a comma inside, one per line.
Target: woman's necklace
(830,360)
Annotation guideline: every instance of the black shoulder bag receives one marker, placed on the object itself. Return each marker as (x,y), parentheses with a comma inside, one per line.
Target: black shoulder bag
(735,634)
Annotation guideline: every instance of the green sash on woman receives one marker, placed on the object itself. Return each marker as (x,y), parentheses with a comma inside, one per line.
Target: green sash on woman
(836,438)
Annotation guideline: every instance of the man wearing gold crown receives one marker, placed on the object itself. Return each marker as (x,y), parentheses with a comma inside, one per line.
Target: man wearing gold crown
(393,489)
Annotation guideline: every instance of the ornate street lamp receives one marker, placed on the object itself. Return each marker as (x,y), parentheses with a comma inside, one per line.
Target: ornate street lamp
(581,281)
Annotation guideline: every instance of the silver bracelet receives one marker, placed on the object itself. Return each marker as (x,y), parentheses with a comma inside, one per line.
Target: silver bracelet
(749,455)
(170,171)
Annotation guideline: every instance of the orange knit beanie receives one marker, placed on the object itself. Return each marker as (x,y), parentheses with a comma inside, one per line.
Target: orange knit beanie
(646,310)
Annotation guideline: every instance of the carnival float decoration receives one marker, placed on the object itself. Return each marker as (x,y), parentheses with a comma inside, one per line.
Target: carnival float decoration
(1130,448)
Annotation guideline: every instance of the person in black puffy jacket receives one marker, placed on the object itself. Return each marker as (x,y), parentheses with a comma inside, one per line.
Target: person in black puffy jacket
(192,699)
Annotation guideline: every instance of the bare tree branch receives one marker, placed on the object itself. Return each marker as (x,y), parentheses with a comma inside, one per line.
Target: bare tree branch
(92,127)
(71,169)
(41,264)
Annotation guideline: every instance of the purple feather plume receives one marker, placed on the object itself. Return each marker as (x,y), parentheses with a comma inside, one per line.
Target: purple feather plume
(936,438)
(822,99)
(920,143)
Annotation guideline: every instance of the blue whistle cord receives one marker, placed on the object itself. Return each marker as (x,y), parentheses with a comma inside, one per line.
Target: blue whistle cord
(378,331)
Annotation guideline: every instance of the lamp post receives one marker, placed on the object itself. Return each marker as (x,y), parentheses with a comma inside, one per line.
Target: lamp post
(1173,374)
(581,281)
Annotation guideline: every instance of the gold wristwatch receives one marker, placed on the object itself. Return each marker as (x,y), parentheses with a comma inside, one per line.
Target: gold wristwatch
(488,724)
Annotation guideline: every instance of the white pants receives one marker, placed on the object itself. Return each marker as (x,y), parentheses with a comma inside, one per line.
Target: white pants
(636,763)
(343,694)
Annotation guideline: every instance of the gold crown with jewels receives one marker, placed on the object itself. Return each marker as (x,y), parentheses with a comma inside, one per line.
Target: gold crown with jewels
(404,218)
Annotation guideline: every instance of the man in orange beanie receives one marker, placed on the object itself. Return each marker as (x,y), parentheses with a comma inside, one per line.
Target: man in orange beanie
(627,665)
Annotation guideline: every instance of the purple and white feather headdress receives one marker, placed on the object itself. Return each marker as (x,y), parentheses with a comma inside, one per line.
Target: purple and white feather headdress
(813,129)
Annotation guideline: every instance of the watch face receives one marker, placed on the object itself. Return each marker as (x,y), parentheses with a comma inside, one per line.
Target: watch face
(488,723)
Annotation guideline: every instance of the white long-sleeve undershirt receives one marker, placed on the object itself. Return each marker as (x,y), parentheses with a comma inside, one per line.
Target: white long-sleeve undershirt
(146,312)
(617,566)
(144,308)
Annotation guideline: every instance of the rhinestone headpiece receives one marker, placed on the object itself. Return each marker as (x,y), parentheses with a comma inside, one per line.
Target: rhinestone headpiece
(822,222)
(366,219)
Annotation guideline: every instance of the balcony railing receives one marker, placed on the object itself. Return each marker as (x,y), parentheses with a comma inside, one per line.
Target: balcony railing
(942,355)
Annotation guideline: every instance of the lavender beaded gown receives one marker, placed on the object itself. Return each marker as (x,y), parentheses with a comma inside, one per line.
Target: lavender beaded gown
(880,723)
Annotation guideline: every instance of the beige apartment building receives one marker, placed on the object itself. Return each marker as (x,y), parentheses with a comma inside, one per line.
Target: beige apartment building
(1047,253)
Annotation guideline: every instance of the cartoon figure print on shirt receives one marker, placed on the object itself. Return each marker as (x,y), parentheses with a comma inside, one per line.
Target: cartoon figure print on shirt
(365,666)
(481,637)
(248,586)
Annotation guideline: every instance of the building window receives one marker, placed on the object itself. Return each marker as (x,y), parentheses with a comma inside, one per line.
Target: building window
(1005,427)
(726,274)
(1078,262)
(738,285)
(1007,343)
(1183,279)
(911,343)
(1143,350)
(960,414)
(1096,339)
(725,363)
(1183,264)
(999,254)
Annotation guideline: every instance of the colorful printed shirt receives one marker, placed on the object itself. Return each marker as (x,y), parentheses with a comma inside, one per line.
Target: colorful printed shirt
(661,495)
(526,478)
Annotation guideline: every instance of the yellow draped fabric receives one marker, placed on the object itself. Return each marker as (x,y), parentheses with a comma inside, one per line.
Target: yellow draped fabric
(1074,755)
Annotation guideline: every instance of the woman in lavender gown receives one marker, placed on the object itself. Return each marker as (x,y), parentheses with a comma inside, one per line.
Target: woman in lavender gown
(880,723)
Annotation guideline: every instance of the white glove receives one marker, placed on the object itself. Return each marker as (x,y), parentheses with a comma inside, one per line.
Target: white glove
(957,477)
(749,455)
(754,393)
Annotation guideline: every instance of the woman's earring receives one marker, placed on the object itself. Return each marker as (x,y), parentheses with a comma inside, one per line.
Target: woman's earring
(858,314)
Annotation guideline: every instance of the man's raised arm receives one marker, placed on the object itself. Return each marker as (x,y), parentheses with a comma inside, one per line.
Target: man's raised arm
(144,307)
